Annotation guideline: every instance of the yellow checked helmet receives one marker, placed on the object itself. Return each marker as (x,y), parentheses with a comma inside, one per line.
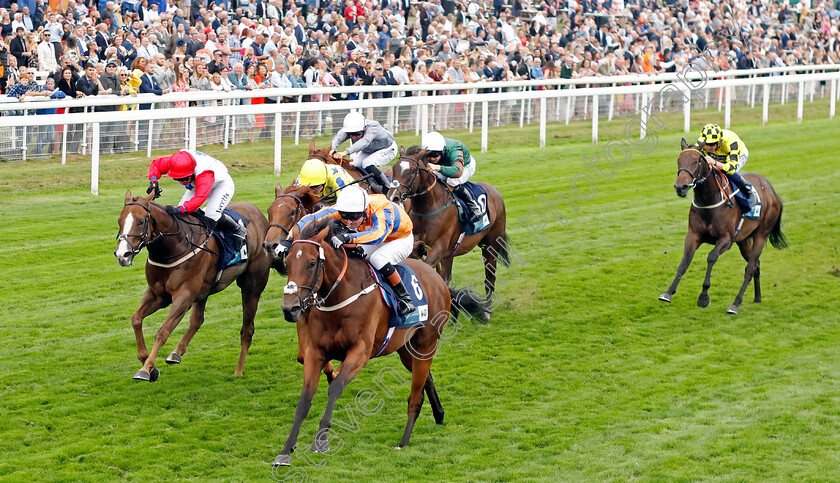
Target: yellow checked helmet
(710,134)
(313,173)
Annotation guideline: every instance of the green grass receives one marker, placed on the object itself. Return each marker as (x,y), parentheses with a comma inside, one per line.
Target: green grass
(582,374)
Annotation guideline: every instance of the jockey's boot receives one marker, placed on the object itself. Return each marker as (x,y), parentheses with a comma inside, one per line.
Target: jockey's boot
(379,183)
(227,224)
(462,192)
(404,305)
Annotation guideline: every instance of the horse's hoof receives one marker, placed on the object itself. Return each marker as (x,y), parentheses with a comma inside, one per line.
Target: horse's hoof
(398,448)
(485,317)
(733,309)
(143,376)
(282,460)
(320,446)
(703,302)
(173,358)
(665,297)
(757,300)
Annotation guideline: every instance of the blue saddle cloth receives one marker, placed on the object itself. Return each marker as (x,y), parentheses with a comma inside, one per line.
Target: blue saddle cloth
(233,249)
(418,298)
(470,223)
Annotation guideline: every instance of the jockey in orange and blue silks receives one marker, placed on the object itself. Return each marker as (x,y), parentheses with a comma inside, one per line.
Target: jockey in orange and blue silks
(382,229)
(729,154)
(206,180)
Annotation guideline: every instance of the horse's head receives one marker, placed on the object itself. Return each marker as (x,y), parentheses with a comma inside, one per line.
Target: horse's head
(408,173)
(286,210)
(305,263)
(324,155)
(136,227)
(692,168)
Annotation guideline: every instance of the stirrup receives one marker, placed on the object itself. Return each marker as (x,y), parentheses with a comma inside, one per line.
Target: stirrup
(405,307)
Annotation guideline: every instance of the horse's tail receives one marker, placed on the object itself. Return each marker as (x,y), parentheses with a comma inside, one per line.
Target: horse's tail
(777,238)
(466,300)
(504,251)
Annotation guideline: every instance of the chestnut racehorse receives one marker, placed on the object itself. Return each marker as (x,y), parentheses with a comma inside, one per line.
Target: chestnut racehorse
(714,220)
(348,321)
(182,270)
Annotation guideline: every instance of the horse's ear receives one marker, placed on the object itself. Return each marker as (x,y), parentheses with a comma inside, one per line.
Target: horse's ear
(683,144)
(149,198)
(402,150)
(311,146)
(278,190)
(128,197)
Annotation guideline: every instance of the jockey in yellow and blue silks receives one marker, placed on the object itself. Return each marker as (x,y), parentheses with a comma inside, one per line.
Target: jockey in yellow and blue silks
(382,229)
(729,154)
(324,180)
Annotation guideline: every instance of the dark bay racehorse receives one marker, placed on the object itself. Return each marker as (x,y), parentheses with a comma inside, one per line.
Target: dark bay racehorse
(182,271)
(714,220)
(348,321)
(435,219)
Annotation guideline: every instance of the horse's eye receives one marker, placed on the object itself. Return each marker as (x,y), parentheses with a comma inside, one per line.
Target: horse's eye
(312,264)
(141,222)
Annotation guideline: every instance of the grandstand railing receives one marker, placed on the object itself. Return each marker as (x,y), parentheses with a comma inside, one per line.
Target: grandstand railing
(430,107)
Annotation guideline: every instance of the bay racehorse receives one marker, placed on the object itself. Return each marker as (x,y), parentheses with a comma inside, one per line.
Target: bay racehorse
(182,270)
(348,321)
(714,219)
(434,213)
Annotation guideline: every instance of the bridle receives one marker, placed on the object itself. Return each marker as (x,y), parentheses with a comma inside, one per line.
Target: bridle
(311,299)
(696,177)
(298,212)
(145,236)
(415,178)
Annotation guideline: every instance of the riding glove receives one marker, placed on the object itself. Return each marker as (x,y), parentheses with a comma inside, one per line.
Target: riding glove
(154,186)
(172,210)
(340,239)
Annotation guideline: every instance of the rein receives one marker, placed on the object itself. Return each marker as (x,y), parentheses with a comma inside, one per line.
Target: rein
(408,195)
(144,242)
(698,179)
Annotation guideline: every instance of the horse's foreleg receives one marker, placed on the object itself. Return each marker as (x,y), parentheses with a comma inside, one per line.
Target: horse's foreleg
(180,304)
(692,241)
(752,266)
(196,319)
(311,374)
(356,359)
(489,253)
(303,341)
(419,379)
(756,282)
(246,334)
(148,305)
(722,245)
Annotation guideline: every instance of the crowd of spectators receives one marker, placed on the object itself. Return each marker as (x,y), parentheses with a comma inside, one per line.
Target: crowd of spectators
(124,46)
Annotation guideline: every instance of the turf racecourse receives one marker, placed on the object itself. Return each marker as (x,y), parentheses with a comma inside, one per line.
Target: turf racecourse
(582,374)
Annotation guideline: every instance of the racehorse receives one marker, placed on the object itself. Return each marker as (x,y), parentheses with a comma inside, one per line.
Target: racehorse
(350,325)
(289,206)
(182,270)
(714,220)
(435,216)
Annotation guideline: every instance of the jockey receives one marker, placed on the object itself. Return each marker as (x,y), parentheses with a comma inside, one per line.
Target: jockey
(455,165)
(205,179)
(729,154)
(372,146)
(324,180)
(382,230)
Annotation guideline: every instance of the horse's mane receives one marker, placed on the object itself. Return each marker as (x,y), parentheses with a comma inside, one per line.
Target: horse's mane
(315,228)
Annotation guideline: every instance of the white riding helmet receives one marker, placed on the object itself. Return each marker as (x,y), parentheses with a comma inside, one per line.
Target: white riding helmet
(433,141)
(352,199)
(354,122)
